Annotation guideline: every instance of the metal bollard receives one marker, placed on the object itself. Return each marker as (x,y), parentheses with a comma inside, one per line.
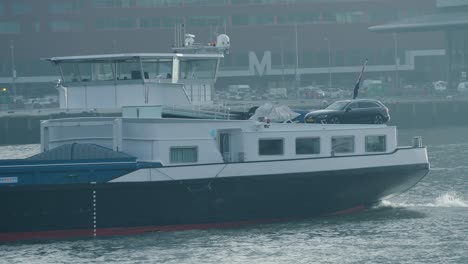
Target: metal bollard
(417,142)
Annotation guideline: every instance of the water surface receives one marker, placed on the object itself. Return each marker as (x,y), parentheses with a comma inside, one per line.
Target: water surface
(428,224)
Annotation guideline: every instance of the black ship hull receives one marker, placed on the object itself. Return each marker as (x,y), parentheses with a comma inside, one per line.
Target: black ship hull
(64,210)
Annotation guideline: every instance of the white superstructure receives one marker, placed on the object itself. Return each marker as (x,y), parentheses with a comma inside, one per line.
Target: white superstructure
(234,148)
(117,80)
(184,77)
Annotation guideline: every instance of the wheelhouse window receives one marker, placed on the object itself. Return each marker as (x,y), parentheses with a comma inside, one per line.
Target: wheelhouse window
(154,68)
(267,147)
(128,70)
(198,69)
(69,72)
(118,70)
(102,71)
(183,154)
(376,143)
(307,145)
(343,144)
(87,71)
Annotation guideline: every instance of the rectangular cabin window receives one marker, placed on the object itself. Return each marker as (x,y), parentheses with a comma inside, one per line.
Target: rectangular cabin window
(376,144)
(102,71)
(307,145)
(157,68)
(184,154)
(198,69)
(70,72)
(87,71)
(128,70)
(343,144)
(270,147)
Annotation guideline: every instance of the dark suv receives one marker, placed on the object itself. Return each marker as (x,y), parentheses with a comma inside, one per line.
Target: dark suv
(360,111)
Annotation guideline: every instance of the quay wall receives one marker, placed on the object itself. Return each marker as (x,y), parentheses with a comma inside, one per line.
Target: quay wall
(25,128)
(428,114)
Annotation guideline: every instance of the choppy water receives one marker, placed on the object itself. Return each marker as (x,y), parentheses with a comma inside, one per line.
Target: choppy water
(428,224)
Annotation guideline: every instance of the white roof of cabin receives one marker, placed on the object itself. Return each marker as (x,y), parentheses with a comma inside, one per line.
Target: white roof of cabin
(124,56)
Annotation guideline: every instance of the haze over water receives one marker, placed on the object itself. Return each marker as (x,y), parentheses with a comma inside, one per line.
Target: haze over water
(428,224)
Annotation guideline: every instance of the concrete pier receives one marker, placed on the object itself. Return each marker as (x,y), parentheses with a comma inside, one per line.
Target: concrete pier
(428,113)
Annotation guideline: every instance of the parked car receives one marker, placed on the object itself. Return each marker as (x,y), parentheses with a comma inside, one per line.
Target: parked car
(351,112)
(463,88)
(311,92)
(440,86)
(334,93)
(372,88)
(235,96)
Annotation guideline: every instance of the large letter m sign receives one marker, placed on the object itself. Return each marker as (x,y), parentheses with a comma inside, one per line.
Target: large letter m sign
(259,68)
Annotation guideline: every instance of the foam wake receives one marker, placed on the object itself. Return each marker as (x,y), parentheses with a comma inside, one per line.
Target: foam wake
(449,199)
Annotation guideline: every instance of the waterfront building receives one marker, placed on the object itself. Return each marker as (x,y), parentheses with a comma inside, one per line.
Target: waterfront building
(278,43)
(450,19)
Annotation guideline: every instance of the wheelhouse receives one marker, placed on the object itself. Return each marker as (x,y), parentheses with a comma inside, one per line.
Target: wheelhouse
(116,80)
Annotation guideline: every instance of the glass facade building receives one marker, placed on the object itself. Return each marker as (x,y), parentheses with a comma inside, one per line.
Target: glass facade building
(332,36)
(451,20)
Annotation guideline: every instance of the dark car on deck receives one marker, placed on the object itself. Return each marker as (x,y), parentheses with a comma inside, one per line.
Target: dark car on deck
(360,111)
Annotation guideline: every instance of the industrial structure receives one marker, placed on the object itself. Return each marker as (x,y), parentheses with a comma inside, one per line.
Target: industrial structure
(278,43)
(451,19)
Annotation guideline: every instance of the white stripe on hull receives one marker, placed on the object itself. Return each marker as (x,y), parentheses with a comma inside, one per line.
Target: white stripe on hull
(400,157)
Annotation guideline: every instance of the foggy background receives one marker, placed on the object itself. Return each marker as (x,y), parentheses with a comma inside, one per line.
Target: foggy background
(285,44)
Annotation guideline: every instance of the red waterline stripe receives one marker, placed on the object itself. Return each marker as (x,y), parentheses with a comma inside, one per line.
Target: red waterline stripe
(353,210)
(7,237)
(56,234)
